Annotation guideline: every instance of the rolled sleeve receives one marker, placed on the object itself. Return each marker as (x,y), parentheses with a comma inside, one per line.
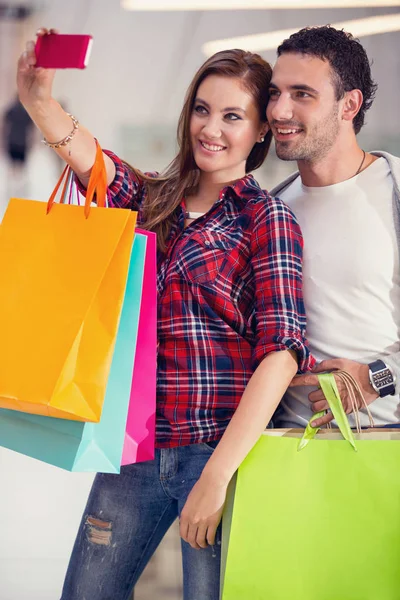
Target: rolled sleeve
(277,252)
(125,191)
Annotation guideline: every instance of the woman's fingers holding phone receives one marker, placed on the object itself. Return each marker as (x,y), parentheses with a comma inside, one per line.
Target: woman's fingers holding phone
(44,31)
(29,54)
(30,45)
(34,84)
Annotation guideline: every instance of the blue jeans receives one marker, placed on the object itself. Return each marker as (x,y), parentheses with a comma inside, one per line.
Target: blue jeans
(126,518)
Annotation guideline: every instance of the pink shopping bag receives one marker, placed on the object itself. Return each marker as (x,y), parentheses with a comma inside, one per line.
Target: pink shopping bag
(140,426)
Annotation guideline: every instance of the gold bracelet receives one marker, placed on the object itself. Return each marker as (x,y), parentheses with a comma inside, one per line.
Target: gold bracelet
(65,140)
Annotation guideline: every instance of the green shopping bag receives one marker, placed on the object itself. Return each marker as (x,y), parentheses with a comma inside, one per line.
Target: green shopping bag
(315,517)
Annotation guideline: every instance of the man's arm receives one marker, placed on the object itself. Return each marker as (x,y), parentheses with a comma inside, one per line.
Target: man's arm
(359,371)
(393,361)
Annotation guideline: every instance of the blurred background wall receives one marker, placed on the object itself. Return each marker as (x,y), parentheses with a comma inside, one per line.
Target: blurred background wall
(130,97)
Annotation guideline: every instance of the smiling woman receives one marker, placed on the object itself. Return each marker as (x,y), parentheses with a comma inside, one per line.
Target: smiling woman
(231,321)
(221,131)
(227,97)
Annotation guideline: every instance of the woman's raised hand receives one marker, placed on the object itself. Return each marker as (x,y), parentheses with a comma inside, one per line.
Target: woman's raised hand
(34,84)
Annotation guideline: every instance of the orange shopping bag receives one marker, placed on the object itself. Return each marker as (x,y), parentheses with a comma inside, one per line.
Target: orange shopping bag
(63,275)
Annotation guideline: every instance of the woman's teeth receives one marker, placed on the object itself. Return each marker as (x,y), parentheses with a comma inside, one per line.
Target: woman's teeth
(212,148)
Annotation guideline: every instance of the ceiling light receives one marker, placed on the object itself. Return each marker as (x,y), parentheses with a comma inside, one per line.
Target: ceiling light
(184,5)
(271,40)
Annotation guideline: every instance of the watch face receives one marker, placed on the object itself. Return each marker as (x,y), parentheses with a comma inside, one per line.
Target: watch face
(383,378)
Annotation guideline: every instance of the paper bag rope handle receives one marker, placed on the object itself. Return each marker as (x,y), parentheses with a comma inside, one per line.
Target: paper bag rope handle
(97,184)
(328,385)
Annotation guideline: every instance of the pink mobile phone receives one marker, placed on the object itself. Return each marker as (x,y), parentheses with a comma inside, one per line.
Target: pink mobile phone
(56,51)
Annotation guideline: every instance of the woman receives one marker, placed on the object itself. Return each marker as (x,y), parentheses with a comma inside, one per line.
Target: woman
(231,321)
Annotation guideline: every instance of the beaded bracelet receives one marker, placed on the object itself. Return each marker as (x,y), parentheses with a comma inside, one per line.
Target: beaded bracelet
(65,140)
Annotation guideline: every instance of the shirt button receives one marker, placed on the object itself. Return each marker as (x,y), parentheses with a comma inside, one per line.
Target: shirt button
(207,243)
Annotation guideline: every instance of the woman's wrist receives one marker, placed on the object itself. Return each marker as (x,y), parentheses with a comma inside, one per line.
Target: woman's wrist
(213,474)
(59,130)
(50,118)
(42,109)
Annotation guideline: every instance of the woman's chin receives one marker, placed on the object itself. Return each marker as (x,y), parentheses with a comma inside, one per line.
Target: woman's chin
(209,165)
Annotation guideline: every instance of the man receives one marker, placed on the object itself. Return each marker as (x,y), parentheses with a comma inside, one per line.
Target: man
(347,202)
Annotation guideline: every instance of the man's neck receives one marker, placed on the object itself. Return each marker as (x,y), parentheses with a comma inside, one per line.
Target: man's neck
(338,165)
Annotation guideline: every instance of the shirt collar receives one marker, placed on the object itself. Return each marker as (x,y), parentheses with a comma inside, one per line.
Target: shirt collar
(243,189)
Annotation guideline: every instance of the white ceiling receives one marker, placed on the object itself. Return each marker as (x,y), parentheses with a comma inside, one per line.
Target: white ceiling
(142,62)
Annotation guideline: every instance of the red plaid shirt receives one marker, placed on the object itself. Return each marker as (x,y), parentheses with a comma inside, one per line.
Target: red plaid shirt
(229,292)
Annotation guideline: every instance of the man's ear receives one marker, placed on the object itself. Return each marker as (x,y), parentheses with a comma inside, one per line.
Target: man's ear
(352,103)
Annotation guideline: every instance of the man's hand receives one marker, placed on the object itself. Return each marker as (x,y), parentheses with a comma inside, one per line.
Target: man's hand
(359,371)
(202,513)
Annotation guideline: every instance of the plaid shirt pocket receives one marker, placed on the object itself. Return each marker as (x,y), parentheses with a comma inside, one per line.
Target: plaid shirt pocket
(205,256)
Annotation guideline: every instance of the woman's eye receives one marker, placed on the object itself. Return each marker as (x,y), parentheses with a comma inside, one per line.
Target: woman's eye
(232,117)
(201,110)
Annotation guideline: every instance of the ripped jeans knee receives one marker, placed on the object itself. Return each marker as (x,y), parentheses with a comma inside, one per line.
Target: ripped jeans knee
(98,531)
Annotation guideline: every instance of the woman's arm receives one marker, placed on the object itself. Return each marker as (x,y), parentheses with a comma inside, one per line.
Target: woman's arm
(276,248)
(261,397)
(35,93)
(203,510)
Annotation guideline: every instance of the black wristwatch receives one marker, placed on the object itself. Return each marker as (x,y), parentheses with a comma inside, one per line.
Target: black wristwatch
(381,378)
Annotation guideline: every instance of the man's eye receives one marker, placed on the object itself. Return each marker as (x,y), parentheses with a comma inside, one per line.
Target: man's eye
(303,95)
(273,93)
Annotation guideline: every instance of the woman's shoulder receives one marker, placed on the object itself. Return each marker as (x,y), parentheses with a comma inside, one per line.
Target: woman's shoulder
(125,169)
(265,204)
(128,188)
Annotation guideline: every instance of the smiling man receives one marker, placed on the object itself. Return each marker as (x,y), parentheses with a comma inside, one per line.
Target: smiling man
(347,202)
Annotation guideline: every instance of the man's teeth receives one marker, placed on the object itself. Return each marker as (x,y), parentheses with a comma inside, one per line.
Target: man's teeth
(287,131)
(212,148)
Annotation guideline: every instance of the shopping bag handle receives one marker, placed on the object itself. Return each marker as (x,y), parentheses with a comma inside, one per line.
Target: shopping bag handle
(97,184)
(328,385)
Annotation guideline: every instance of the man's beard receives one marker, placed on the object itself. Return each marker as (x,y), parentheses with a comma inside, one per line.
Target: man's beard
(315,144)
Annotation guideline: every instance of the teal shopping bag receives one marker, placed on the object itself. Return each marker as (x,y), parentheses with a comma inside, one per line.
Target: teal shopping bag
(315,517)
(78,446)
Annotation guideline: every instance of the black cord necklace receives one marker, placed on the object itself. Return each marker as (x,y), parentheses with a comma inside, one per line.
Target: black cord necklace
(360,167)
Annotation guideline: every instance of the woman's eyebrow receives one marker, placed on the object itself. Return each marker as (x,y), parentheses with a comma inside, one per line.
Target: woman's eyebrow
(226,109)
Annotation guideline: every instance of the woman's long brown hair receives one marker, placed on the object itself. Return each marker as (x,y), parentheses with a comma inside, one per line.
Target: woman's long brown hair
(165,192)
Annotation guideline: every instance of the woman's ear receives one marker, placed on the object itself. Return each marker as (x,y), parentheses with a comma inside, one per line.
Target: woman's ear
(264,130)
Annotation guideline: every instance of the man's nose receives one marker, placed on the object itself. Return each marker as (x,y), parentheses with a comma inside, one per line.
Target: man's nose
(280,109)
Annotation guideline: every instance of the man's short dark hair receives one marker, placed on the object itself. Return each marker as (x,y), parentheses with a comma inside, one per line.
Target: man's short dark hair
(348,60)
